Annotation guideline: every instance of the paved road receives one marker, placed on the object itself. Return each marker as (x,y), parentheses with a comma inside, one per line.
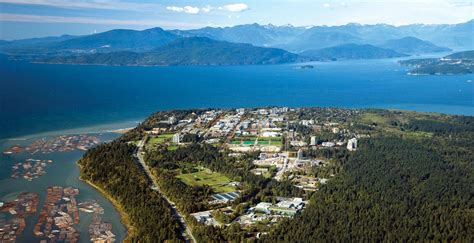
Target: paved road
(182,223)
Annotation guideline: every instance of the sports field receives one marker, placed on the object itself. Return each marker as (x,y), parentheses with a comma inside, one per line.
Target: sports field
(204,176)
(274,141)
(162,138)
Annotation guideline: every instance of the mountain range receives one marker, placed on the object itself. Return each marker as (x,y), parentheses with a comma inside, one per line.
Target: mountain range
(186,51)
(351,41)
(351,51)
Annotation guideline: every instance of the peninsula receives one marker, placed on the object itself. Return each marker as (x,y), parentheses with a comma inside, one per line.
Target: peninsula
(285,174)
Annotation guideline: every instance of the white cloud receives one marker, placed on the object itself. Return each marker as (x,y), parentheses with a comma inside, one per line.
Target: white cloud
(191,10)
(206,9)
(236,7)
(175,9)
(326,5)
(185,9)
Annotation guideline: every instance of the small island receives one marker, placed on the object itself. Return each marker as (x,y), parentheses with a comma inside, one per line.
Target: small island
(304,67)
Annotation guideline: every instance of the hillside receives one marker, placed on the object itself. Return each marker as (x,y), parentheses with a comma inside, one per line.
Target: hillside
(413,45)
(409,179)
(456,63)
(119,40)
(255,34)
(186,51)
(351,51)
(109,41)
(464,55)
(314,39)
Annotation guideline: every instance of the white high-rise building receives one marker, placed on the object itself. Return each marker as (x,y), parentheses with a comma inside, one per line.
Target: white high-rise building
(313,141)
(352,144)
(176,138)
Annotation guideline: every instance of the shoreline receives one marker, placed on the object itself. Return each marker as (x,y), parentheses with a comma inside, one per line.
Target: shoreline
(116,127)
(123,126)
(124,218)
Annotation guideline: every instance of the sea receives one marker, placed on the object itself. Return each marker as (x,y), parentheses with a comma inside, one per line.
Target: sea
(43,101)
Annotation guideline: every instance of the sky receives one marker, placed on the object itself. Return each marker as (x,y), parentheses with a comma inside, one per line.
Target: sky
(38,18)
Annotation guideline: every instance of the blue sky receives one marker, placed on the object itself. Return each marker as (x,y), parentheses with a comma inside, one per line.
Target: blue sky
(37,18)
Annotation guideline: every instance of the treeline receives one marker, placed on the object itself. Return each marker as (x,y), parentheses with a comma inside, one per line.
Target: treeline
(111,167)
(238,169)
(191,199)
(391,189)
(441,127)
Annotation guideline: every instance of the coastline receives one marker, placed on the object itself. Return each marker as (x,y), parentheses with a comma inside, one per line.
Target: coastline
(124,218)
(116,127)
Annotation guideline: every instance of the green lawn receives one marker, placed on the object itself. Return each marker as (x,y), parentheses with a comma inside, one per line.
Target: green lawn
(270,139)
(368,117)
(250,140)
(160,139)
(204,176)
(275,141)
(173,147)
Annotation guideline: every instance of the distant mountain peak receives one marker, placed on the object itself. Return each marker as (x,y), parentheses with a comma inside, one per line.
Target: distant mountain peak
(410,44)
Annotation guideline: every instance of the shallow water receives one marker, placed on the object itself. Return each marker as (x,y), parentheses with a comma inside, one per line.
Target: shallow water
(62,172)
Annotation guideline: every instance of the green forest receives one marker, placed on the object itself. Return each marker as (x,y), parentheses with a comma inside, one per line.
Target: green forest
(396,189)
(112,168)
(411,180)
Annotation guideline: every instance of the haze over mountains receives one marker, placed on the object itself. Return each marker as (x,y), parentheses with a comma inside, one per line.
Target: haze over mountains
(351,41)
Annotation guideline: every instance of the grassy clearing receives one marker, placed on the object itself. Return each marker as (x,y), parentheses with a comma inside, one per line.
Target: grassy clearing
(162,138)
(368,117)
(270,139)
(419,134)
(250,140)
(172,147)
(204,176)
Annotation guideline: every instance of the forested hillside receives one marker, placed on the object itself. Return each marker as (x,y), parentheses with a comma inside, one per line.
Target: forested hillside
(112,168)
(396,189)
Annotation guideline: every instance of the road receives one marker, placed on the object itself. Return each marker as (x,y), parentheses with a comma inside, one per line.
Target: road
(182,223)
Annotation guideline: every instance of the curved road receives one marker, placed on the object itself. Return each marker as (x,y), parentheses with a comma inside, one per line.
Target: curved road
(187,234)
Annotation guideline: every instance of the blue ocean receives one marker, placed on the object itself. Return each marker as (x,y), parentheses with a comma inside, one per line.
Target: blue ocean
(37,98)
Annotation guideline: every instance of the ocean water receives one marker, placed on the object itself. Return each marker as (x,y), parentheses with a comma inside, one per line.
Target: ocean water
(39,101)
(36,98)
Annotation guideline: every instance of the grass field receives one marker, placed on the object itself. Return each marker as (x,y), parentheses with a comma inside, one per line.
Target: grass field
(373,118)
(273,139)
(172,147)
(250,140)
(160,139)
(204,176)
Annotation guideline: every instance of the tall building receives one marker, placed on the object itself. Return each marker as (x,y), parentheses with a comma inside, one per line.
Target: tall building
(313,141)
(176,138)
(352,144)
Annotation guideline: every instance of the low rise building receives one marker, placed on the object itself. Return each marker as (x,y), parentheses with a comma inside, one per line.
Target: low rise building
(352,144)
